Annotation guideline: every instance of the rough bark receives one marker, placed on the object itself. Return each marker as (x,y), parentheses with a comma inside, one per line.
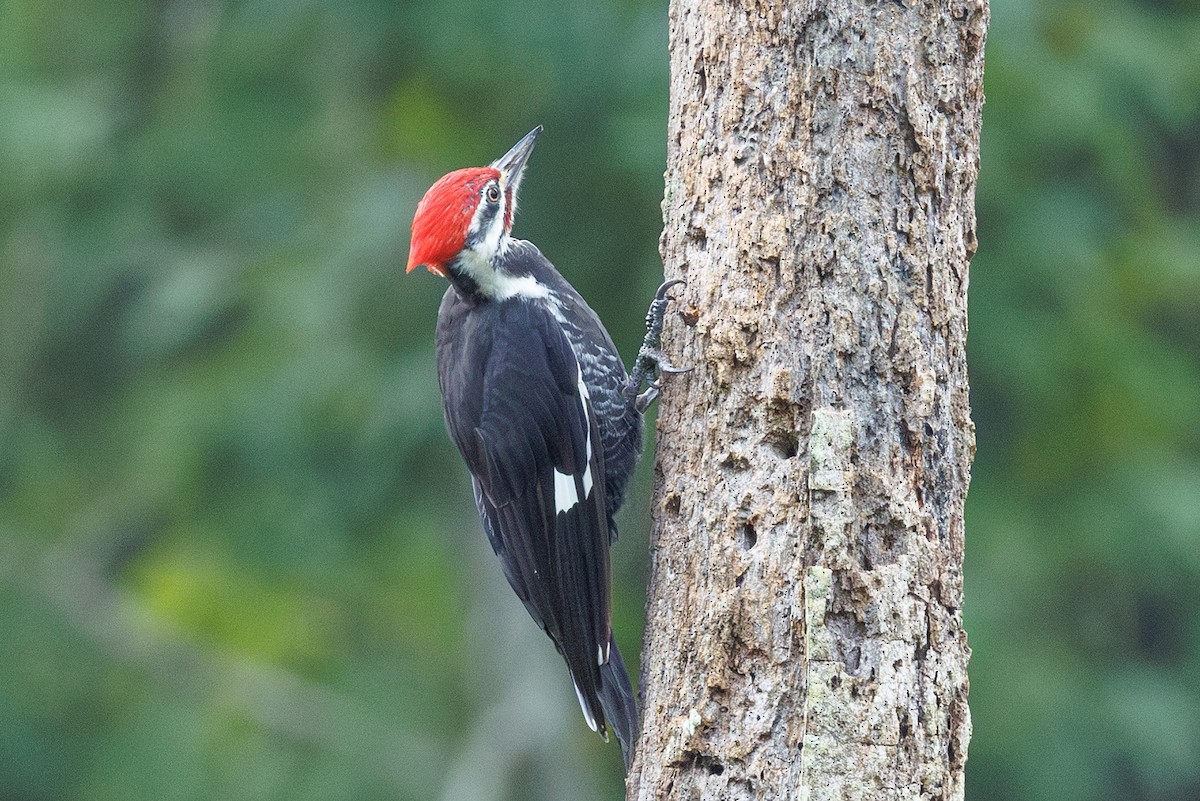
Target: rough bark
(804,634)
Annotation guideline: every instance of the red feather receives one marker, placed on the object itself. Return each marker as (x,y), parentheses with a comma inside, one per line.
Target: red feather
(439,229)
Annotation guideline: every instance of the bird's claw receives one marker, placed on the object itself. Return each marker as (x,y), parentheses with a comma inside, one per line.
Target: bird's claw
(655,358)
(665,286)
(651,364)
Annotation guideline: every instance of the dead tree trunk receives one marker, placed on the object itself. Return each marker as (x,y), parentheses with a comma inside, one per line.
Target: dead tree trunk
(804,631)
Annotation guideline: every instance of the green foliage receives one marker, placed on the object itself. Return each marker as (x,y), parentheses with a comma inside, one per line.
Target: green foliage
(237,558)
(1083,565)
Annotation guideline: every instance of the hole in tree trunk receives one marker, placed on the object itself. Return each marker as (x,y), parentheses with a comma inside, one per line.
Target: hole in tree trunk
(749,536)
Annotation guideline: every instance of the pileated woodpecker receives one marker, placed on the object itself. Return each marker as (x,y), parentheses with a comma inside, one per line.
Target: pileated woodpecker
(549,423)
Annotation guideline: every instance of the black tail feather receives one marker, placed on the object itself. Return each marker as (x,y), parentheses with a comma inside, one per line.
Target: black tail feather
(619,702)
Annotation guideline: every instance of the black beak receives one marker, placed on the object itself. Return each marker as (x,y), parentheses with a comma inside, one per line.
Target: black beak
(512,164)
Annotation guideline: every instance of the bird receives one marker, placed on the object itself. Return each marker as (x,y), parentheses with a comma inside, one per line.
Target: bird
(544,414)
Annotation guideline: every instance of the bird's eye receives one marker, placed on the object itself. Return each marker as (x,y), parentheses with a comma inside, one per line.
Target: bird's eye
(492,194)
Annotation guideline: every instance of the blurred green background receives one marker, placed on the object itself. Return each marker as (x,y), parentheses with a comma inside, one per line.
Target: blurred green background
(238,557)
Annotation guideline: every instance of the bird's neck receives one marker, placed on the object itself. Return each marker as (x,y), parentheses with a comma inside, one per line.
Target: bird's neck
(495,276)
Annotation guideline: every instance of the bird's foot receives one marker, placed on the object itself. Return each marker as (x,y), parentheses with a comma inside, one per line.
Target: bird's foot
(651,364)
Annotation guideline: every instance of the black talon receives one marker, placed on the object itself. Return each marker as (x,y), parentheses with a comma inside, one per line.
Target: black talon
(665,286)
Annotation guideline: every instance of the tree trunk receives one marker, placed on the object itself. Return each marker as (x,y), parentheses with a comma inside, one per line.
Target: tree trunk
(804,635)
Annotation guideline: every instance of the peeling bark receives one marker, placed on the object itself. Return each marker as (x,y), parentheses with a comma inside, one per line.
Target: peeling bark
(804,633)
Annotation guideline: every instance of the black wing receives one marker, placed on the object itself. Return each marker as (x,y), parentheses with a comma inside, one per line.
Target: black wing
(518,410)
(619,421)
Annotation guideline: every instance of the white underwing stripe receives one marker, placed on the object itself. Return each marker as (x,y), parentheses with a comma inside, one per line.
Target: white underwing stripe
(584,400)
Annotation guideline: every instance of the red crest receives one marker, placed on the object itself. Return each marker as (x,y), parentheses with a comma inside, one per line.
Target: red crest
(439,228)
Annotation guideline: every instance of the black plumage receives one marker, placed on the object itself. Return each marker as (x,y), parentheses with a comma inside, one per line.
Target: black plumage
(540,406)
(537,401)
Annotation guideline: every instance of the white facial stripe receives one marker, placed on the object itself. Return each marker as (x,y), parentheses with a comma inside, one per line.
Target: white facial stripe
(495,231)
(500,285)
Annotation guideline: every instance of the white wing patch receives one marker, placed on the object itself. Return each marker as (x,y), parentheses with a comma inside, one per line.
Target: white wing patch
(565,496)
(565,493)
